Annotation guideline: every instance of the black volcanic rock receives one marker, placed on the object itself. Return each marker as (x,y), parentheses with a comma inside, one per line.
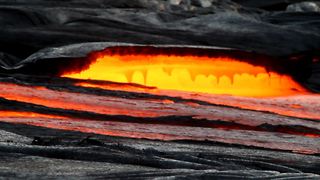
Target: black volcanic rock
(29,26)
(271,5)
(304,7)
(125,158)
(38,30)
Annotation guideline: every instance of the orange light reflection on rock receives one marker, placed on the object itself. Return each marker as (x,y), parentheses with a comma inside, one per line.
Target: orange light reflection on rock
(220,75)
(23,114)
(70,101)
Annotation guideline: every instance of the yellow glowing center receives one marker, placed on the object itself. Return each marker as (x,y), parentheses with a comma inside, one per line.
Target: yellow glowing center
(190,73)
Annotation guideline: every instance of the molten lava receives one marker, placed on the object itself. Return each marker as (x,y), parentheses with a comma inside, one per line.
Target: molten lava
(22,114)
(213,75)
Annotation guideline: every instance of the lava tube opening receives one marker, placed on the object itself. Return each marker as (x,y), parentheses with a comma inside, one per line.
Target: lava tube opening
(188,72)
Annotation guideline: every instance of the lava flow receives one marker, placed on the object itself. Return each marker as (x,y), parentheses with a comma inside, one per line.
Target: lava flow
(22,114)
(192,73)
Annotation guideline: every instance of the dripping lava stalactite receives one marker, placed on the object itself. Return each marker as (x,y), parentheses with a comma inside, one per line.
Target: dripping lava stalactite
(198,72)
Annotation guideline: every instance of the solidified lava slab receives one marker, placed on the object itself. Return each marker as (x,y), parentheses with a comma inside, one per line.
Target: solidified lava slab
(165,115)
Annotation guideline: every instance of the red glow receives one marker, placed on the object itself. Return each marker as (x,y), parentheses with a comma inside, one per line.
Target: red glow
(5,114)
(165,132)
(310,106)
(304,106)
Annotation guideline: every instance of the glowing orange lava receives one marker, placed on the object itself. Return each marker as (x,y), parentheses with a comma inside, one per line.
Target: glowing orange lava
(213,75)
(14,114)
